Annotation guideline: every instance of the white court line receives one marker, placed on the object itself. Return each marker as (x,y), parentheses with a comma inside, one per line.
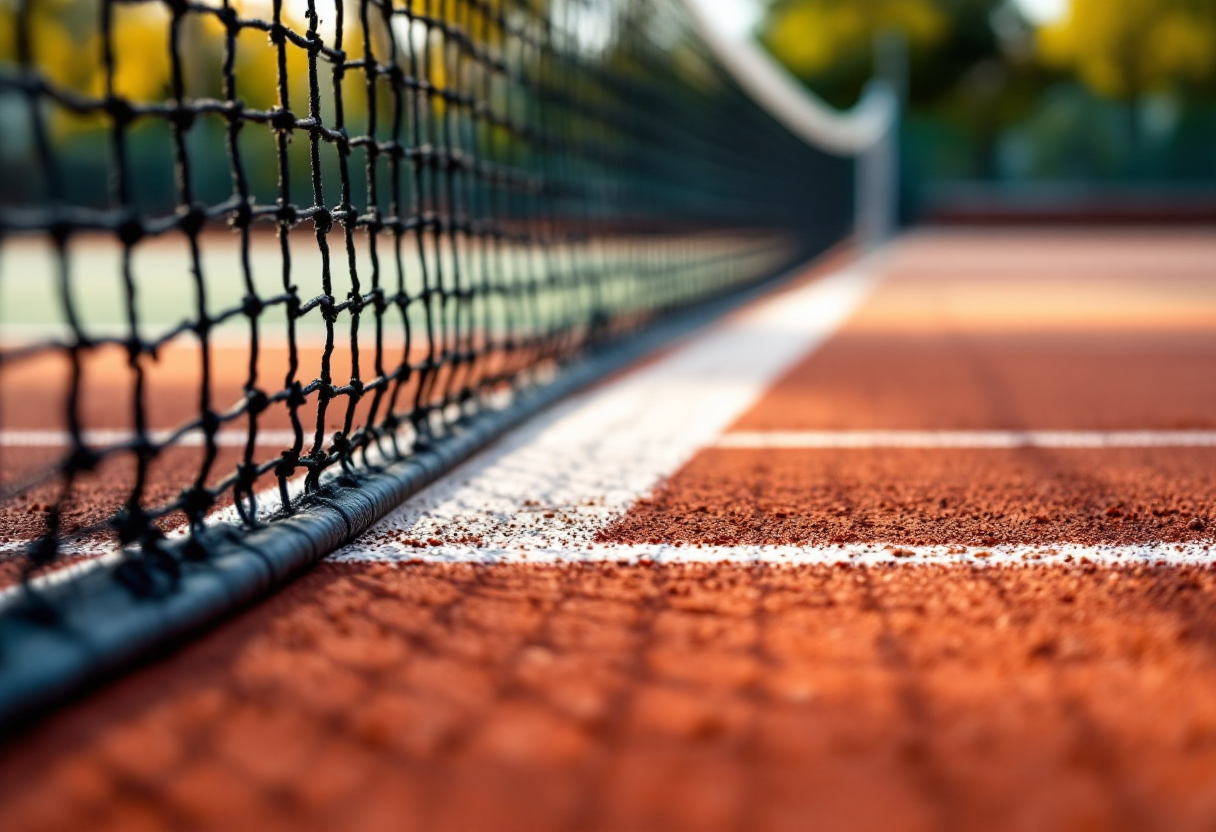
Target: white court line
(793,440)
(855,554)
(380,549)
(101,438)
(565,475)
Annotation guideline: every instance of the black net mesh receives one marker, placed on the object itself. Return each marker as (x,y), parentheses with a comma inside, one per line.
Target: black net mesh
(246,243)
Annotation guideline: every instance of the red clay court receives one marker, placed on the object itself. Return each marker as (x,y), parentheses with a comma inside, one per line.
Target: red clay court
(555,415)
(916,540)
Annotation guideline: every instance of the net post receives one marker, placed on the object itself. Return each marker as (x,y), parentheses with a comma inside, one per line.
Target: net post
(877,176)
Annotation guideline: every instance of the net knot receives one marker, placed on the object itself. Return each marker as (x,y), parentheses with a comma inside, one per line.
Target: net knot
(81,459)
(286,466)
(340,444)
(131,524)
(323,220)
(130,231)
(282,120)
(295,395)
(234,111)
(144,448)
(182,117)
(196,502)
(277,34)
(252,306)
(256,401)
(135,349)
(287,214)
(329,309)
(60,231)
(191,219)
(227,15)
(120,110)
(209,422)
(242,216)
(246,476)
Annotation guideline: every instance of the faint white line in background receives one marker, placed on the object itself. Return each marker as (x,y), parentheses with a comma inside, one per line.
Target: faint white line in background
(828,439)
(104,438)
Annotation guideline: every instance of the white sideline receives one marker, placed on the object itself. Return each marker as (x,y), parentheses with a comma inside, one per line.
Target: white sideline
(942,439)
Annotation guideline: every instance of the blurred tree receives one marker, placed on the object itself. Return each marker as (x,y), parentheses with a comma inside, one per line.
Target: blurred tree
(830,43)
(1125,48)
(1130,48)
(970,61)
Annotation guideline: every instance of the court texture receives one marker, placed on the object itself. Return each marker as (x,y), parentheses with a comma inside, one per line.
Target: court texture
(914,540)
(524,415)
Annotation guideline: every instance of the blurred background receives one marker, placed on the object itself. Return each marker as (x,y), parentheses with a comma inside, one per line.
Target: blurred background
(1027,109)
(1015,109)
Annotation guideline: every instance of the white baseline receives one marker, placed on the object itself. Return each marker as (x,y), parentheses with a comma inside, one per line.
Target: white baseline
(943,439)
(855,554)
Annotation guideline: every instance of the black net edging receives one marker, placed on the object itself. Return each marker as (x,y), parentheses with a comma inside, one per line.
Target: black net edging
(432,208)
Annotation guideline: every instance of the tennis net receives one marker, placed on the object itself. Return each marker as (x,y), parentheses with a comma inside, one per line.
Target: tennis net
(420,208)
(250,247)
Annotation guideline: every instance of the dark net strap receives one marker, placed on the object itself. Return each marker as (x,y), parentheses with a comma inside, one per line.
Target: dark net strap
(500,185)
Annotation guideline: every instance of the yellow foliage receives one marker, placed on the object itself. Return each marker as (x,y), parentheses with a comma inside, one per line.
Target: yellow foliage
(67,50)
(141,53)
(8,34)
(811,36)
(1126,47)
(64,53)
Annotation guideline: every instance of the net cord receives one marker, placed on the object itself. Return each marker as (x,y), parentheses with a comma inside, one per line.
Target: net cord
(840,132)
(867,131)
